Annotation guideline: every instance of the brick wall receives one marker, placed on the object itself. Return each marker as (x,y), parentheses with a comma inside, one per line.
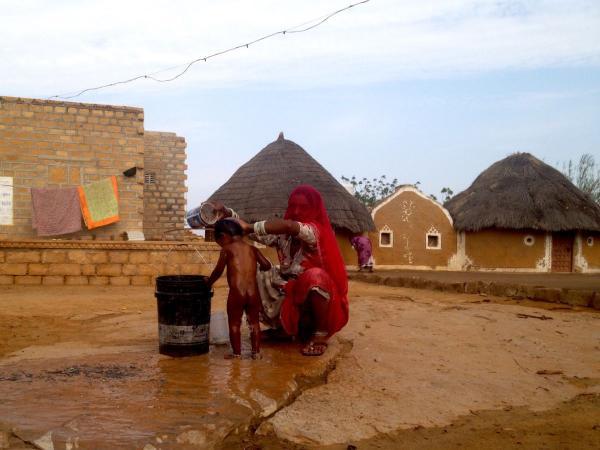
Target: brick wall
(117,264)
(56,144)
(164,199)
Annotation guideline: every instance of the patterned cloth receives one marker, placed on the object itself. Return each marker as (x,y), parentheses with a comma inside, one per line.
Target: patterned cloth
(55,211)
(100,202)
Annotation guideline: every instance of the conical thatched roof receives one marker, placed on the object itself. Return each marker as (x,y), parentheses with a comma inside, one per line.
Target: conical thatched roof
(522,192)
(259,189)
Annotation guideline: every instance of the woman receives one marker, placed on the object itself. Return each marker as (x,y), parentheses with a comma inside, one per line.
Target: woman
(312,302)
(362,245)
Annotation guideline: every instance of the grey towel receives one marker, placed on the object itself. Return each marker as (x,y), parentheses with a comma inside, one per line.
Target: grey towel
(55,211)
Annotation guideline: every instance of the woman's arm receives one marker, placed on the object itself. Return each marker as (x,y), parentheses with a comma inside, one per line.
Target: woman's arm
(274,226)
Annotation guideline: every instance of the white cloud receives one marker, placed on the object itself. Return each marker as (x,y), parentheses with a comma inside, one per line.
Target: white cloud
(55,47)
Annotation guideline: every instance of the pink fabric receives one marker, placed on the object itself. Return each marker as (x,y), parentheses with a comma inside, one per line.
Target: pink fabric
(55,211)
(362,245)
(325,269)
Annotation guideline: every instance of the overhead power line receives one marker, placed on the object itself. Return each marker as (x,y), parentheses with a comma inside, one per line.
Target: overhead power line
(152,76)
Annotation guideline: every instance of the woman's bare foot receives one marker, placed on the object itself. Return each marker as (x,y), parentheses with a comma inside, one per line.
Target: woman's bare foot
(232,356)
(256,355)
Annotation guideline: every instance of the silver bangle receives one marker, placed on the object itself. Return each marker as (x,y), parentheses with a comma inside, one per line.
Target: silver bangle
(233,213)
(259,228)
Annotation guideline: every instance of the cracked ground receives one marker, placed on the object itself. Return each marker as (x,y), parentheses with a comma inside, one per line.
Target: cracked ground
(79,368)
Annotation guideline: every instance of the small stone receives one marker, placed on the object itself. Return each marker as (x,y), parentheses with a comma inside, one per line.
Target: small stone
(265,429)
(4,439)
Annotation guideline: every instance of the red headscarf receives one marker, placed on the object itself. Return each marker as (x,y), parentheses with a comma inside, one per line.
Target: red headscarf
(317,216)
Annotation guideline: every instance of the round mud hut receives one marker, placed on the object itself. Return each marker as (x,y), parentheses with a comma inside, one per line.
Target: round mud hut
(260,188)
(520,214)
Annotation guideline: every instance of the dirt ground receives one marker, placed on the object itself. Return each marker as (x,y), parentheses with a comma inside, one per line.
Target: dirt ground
(413,369)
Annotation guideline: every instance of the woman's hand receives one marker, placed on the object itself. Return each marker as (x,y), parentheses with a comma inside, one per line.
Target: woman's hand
(246,227)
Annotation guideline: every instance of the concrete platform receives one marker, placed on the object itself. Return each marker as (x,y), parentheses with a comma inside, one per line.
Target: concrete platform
(573,289)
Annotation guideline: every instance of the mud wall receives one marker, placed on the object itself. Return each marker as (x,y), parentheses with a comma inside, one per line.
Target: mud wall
(101,263)
(505,249)
(348,253)
(164,186)
(409,216)
(47,143)
(590,249)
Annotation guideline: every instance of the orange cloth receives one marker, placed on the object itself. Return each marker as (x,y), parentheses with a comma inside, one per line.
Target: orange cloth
(99,202)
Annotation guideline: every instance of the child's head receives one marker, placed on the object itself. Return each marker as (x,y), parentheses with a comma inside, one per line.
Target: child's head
(227,228)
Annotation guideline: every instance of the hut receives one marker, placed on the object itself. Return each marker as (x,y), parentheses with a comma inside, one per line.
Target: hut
(413,231)
(520,214)
(260,188)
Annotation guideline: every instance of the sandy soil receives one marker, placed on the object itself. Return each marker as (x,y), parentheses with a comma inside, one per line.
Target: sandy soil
(415,369)
(425,359)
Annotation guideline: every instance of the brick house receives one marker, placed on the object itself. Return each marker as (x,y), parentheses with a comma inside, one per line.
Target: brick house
(47,143)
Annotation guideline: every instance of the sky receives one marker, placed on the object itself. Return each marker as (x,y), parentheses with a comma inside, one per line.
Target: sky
(429,91)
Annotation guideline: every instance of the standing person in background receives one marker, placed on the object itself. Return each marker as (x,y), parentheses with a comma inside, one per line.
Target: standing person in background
(307,296)
(364,251)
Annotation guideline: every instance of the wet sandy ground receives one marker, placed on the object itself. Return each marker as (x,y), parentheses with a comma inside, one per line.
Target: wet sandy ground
(79,368)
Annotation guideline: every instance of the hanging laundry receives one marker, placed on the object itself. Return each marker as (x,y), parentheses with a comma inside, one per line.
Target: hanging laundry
(55,211)
(100,202)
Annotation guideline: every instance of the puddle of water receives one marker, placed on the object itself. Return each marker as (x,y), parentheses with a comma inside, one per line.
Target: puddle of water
(128,400)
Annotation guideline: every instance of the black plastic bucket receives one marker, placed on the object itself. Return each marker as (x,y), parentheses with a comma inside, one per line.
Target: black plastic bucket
(183,314)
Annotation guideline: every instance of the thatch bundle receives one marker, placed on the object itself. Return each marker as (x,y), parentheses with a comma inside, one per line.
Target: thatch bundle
(522,192)
(259,189)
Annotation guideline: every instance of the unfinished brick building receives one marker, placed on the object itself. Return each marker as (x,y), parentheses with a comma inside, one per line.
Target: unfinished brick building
(59,144)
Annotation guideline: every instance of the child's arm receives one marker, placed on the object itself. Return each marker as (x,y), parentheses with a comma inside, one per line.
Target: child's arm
(219,268)
(263,262)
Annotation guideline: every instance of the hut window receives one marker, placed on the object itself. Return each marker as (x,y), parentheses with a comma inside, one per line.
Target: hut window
(529,240)
(386,237)
(590,241)
(150,178)
(434,241)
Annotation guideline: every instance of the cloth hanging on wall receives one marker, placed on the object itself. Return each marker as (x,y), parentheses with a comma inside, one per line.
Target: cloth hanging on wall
(55,211)
(100,202)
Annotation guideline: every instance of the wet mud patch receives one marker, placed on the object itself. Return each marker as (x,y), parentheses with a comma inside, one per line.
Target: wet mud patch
(110,372)
(98,372)
(260,433)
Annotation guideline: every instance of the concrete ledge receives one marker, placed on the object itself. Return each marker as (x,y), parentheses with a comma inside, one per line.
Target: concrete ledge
(569,296)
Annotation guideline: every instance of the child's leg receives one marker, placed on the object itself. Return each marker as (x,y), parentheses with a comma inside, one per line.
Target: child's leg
(234,317)
(252,313)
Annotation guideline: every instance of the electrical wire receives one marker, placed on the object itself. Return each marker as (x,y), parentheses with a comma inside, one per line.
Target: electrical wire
(151,76)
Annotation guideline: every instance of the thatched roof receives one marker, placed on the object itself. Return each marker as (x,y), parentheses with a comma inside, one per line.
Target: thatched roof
(522,192)
(259,189)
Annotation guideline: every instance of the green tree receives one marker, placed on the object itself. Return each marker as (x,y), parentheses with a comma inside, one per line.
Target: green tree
(371,191)
(447,194)
(585,175)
